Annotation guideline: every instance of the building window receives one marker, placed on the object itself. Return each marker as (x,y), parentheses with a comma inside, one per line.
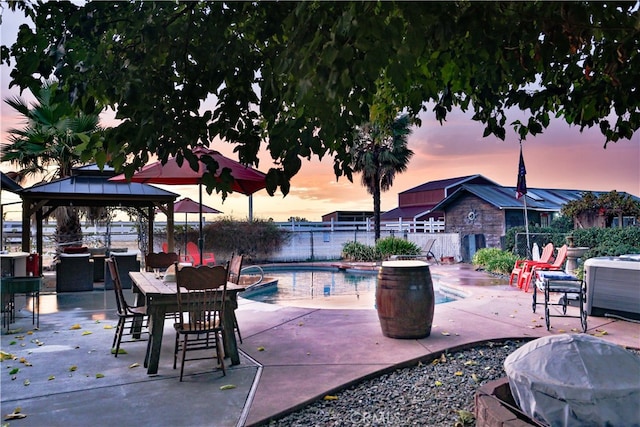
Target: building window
(627,221)
(545,220)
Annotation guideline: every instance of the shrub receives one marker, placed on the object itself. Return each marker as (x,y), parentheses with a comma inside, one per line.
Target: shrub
(503,263)
(482,257)
(562,224)
(608,239)
(359,252)
(495,260)
(539,235)
(396,246)
(256,239)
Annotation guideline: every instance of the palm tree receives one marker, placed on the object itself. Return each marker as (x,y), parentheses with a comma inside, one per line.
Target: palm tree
(51,144)
(380,152)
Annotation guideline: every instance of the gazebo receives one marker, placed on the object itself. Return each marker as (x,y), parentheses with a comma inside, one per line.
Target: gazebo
(90,187)
(7,184)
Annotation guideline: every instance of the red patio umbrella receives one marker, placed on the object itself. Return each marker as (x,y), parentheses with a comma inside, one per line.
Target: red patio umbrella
(188,206)
(246,180)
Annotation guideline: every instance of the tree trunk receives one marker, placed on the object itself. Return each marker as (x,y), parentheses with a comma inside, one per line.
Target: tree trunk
(69,230)
(376,208)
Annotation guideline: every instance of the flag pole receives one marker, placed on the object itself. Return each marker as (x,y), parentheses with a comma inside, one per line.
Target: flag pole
(521,191)
(201,233)
(526,228)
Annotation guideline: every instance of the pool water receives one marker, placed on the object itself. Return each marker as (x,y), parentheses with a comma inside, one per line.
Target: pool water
(325,289)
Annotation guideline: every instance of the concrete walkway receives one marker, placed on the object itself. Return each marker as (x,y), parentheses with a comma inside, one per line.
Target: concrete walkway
(291,356)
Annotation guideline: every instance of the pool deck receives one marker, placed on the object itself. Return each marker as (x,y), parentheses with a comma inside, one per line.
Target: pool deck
(290,356)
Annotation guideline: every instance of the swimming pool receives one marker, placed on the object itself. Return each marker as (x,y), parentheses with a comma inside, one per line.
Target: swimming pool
(325,288)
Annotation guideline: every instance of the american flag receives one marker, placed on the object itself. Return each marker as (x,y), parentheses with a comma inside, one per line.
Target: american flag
(521,188)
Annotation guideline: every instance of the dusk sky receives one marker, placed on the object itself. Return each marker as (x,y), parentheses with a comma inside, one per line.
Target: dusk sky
(562,157)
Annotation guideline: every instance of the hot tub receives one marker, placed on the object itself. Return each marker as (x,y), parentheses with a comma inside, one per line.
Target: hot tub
(613,285)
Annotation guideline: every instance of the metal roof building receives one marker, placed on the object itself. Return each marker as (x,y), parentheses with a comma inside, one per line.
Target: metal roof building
(538,199)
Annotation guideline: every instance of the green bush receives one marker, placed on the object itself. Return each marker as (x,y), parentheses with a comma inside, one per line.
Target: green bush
(539,235)
(396,246)
(503,263)
(256,239)
(606,242)
(384,248)
(494,260)
(609,240)
(359,252)
(482,257)
(562,224)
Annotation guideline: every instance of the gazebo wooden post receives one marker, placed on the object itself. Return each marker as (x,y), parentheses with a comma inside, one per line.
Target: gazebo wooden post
(26,229)
(151,215)
(39,241)
(170,227)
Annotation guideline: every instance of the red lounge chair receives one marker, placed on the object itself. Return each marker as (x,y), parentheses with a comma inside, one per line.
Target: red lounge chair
(524,265)
(525,280)
(193,255)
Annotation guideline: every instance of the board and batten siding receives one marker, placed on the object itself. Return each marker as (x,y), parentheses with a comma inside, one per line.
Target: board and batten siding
(471,215)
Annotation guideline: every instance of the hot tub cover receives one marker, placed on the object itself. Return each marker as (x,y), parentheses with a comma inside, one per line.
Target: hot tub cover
(576,380)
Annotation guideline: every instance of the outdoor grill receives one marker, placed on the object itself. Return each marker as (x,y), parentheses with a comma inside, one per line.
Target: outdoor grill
(575,379)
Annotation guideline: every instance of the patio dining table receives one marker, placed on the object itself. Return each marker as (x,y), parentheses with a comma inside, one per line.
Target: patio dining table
(161,298)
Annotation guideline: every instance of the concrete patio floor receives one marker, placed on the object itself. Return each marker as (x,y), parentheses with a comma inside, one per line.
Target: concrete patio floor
(290,356)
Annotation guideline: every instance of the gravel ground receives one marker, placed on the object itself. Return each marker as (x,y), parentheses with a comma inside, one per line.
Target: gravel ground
(440,393)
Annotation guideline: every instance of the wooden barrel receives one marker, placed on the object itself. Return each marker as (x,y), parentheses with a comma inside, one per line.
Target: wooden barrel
(405,299)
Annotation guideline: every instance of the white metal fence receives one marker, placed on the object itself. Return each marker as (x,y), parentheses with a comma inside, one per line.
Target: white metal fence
(310,241)
(428,226)
(327,245)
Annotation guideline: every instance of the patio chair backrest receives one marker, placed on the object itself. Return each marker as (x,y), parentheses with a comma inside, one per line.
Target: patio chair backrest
(160,260)
(201,295)
(547,253)
(121,302)
(561,257)
(235,267)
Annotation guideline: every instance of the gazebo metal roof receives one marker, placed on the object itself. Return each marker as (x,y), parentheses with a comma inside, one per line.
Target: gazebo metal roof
(90,187)
(9,184)
(96,191)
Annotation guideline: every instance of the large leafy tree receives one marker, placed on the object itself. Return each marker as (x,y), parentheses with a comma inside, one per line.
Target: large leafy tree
(379,152)
(50,144)
(301,76)
(586,210)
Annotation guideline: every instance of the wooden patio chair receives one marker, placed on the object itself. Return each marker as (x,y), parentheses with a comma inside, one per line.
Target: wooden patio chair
(127,261)
(233,276)
(193,255)
(182,257)
(161,260)
(524,282)
(524,265)
(201,300)
(133,317)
